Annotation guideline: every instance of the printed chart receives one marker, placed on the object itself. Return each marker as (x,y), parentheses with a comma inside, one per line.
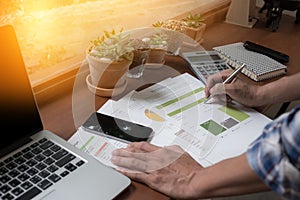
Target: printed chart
(174,108)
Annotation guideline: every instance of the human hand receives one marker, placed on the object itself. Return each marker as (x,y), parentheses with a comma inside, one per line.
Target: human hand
(215,87)
(169,170)
(239,90)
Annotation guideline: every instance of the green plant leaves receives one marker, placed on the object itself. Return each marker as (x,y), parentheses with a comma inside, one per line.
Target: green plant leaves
(113,45)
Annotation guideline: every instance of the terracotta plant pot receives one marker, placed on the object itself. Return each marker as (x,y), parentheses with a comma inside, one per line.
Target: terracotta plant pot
(107,75)
(180,26)
(196,33)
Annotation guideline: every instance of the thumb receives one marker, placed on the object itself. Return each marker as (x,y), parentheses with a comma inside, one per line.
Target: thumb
(218,89)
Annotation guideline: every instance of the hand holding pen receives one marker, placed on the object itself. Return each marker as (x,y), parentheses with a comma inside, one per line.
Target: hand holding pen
(228,79)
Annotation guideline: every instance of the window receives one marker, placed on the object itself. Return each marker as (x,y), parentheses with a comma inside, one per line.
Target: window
(54,34)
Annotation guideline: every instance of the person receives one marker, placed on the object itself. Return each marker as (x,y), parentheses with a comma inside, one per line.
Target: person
(253,95)
(271,162)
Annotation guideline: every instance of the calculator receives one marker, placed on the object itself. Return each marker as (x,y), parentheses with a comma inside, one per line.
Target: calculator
(205,63)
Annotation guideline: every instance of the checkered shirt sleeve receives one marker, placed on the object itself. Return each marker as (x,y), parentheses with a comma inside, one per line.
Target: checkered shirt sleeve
(275,155)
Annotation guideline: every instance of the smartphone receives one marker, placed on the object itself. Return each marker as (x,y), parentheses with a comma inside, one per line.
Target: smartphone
(116,128)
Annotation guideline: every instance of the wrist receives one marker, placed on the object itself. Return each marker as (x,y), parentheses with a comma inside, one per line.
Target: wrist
(200,186)
(270,94)
(262,96)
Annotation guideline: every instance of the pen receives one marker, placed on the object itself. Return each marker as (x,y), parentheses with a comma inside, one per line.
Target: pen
(229,79)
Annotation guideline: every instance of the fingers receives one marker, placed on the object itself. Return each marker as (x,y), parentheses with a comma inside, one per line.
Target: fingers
(214,79)
(223,93)
(218,89)
(143,146)
(127,152)
(130,164)
(147,147)
(218,93)
(135,149)
(137,157)
(139,162)
(175,148)
(143,157)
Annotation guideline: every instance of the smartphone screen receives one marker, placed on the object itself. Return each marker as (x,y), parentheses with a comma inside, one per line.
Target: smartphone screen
(116,128)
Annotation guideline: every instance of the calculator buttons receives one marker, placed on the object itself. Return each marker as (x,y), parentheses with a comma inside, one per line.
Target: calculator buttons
(207,70)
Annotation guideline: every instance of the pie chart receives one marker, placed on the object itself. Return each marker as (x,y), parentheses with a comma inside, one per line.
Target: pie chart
(153,116)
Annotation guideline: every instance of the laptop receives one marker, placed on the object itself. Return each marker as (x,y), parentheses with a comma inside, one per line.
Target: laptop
(35,163)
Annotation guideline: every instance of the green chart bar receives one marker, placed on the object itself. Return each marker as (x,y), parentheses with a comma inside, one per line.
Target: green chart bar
(180,98)
(175,112)
(237,114)
(83,147)
(213,127)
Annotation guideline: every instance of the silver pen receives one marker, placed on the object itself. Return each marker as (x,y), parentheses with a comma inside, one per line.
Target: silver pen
(228,79)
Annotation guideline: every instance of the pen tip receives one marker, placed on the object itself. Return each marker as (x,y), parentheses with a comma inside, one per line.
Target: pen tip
(207,100)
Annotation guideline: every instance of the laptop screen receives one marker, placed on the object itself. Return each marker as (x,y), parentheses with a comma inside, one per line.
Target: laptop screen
(19,113)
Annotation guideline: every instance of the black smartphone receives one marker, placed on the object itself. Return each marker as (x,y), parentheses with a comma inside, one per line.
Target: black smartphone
(116,128)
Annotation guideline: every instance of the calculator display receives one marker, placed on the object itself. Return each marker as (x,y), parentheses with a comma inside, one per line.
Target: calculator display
(199,58)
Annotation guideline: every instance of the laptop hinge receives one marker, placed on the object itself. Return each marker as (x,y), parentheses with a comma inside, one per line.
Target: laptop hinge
(14,146)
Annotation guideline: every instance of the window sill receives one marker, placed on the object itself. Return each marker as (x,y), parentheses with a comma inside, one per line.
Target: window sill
(55,85)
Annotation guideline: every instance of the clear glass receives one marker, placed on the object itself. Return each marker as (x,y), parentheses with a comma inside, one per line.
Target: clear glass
(136,68)
(157,56)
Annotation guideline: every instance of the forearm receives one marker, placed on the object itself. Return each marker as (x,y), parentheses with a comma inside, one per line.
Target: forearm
(229,177)
(283,90)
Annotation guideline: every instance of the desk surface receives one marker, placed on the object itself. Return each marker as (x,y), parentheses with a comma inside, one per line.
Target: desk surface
(58,114)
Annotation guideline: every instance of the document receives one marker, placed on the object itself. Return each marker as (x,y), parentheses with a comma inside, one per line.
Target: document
(166,132)
(99,147)
(174,109)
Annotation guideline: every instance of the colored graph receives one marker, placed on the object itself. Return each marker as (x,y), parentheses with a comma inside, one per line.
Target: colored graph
(153,116)
(235,113)
(216,128)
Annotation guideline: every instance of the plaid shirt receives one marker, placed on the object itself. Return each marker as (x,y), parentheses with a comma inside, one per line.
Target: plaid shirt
(275,155)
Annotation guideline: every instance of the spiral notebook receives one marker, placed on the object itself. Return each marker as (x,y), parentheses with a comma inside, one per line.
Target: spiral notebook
(257,66)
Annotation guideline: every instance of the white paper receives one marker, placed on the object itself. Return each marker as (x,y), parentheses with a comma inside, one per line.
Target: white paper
(174,109)
(98,146)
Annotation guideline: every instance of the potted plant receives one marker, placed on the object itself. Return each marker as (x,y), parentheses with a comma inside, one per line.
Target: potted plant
(109,58)
(192,25)
(158,45)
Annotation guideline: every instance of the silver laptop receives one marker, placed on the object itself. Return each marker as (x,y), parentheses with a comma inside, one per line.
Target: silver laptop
(35,163)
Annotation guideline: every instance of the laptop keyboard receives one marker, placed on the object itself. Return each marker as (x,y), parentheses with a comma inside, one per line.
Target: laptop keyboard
(34,169)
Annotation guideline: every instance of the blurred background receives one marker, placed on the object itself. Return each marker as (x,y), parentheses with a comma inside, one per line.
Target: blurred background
(54,34)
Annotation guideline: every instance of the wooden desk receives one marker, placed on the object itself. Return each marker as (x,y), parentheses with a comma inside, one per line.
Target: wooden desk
(57,114)
(66,113)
